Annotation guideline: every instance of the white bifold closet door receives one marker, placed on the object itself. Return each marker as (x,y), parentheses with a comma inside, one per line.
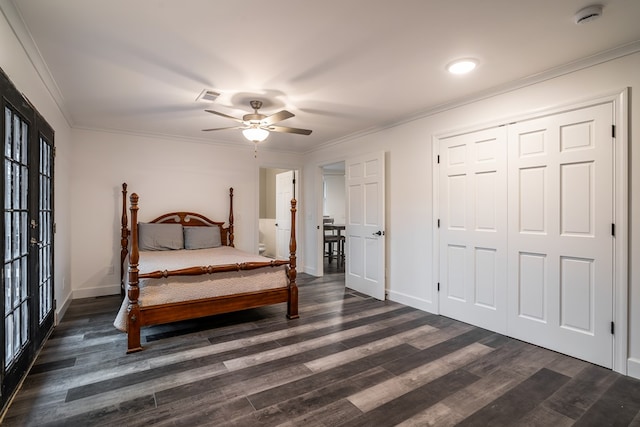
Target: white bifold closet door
(560,238)
(526,247)
(473,229)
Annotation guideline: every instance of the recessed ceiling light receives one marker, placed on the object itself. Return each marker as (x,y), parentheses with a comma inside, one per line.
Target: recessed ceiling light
(462,66)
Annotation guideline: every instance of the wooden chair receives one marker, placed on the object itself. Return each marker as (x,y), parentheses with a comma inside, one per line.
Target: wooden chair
(333,243)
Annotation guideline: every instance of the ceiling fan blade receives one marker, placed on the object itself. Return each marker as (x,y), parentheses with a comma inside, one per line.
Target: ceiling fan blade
(231,127)
(288,130)
(278,117)
(224,115)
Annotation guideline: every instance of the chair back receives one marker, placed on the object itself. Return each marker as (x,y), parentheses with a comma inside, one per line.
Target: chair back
(328,221)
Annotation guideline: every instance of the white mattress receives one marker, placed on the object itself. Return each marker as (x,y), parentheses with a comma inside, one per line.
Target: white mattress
(188,288)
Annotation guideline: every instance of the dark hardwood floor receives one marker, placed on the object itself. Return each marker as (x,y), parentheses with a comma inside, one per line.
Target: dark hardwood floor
(348,361)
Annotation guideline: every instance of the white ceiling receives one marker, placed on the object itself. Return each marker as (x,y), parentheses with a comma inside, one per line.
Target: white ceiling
(343,67)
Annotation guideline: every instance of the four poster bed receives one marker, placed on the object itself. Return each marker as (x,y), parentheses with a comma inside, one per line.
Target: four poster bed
(183,265)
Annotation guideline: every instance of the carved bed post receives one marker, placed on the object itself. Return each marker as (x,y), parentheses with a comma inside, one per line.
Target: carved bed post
(292,303)
(231,217)
(124,238)
(133,292)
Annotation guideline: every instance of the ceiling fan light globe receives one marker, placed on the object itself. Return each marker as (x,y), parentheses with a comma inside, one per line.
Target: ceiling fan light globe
(255,134)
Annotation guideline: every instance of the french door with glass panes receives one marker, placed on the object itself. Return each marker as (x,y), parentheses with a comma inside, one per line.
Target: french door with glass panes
(27,252)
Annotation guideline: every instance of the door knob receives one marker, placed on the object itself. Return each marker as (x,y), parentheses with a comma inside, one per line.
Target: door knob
(378,233)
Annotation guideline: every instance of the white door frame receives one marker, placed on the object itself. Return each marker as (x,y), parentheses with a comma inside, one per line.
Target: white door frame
(298,196)
(319,213)
(621,209)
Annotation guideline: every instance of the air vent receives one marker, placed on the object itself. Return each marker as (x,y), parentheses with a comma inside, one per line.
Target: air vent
(588,14)
(207,95)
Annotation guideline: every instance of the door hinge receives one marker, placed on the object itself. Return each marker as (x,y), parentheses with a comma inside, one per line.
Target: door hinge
(54,151)
(54,228)
(438,286)
(613,230)
(294,181)
(612,328)
(438,159)
(438,222)
(613,131)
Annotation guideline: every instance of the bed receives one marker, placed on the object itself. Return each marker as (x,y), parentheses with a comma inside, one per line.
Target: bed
(183,265)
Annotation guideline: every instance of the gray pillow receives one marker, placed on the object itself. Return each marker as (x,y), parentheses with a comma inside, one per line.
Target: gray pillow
(202,237)
(160,237)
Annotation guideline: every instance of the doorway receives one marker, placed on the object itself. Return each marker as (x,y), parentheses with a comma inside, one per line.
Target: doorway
(333,218)
(277,188)
(27,187)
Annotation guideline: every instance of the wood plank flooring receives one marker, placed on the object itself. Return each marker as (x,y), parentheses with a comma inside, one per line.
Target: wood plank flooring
(348,361)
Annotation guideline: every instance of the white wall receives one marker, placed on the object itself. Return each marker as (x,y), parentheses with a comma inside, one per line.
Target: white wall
(334,203)
(168,175)
(268,192)
(268,236)
(409,168)
(16,64)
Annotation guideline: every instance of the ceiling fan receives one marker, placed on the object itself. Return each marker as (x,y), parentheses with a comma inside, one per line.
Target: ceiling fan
(256,126)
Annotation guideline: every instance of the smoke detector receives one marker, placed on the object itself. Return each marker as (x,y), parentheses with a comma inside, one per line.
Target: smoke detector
(588,14)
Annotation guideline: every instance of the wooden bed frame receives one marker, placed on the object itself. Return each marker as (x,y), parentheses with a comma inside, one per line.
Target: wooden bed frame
(138,316)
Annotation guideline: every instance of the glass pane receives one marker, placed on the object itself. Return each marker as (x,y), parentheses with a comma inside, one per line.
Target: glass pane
(16,330)
(7,184)
(7,132)
(8,233)
(24,241)
(25,143)
(15,188)
(45,193)
(15,243)
(16,137)
(25,324)
(8,288)
(25,186)
(8,334)
(15,271)
(24,291)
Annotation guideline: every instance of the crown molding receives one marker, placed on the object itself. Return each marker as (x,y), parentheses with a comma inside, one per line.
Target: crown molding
(19,28)
(561,70)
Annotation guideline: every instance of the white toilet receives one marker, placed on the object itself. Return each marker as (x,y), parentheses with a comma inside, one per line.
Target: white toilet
(261,248)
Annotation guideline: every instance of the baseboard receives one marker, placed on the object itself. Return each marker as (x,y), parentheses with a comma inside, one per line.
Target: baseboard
(96,292)
(411,301)
(309,270)
(633,367)
(62,309)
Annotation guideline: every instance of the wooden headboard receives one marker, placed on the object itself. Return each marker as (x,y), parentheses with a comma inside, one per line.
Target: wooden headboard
(192,219)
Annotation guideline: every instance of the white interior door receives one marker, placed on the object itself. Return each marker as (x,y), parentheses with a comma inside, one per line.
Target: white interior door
(285,182)
(473,228)
(365,239)
(560,238)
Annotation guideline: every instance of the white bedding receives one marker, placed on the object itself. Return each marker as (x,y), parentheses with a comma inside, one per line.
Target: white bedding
(188,288)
